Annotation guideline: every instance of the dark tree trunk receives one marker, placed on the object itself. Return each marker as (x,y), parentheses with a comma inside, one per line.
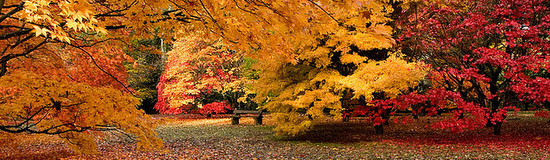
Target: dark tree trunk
(496,101)
(386,116)
(496,128)
(379,129)
(346,118)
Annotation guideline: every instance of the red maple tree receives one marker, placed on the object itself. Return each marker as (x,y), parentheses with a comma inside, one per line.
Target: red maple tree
(487,57)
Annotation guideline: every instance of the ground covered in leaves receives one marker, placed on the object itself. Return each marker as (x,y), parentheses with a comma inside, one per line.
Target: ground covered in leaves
(193,137)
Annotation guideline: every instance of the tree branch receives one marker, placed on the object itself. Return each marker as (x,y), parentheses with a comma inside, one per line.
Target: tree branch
(102,70)
(13,11)
(340,24)
(109,14)
(6,58)
(3,68)
(211,17)
(16,33)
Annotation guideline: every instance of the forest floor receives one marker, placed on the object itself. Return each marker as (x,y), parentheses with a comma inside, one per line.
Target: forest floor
(195,137)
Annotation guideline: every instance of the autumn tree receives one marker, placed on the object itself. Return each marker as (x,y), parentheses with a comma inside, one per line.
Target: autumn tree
(493,55)
(309,52)
(201,74)
(62,74)
(76,112)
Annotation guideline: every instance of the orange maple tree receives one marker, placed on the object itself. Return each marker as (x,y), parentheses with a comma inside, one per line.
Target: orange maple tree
(198,70)
(62,74)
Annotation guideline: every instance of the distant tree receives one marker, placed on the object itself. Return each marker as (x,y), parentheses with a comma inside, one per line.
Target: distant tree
(203,75)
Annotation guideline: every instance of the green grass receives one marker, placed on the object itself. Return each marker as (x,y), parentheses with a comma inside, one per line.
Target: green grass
(177,132)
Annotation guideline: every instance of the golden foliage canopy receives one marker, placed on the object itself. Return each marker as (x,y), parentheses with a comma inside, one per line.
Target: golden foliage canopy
(62,74)
(49,105)
(309,52)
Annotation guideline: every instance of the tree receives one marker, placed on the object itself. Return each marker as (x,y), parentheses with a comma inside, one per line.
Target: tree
(74,111)
(375,82)
(493,54)
(61,74)
(201,74)
(304,50)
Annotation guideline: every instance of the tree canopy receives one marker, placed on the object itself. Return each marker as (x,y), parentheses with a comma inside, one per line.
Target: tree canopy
(61,73)
(493,54)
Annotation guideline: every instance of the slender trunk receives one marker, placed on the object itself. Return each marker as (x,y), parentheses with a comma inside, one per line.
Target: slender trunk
(379,129)
(386,116)
(496,128)
(495,101)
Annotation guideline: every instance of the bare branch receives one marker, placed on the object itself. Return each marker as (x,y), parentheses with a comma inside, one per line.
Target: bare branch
(110,14)
(211,17)
(8,57)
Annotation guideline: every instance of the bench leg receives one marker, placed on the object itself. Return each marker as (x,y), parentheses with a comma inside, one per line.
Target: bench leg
(235,120)
(258,120)
(346,119)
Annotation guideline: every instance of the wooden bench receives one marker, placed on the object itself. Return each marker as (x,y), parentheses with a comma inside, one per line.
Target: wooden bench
(246,113)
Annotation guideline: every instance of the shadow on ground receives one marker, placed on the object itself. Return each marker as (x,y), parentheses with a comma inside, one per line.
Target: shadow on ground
(518,131)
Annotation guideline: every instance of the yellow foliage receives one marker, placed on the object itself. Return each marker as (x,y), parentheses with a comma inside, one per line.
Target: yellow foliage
(391,76)
(297,93)
(352,58)
(48,16)
(299,45)
(73,110)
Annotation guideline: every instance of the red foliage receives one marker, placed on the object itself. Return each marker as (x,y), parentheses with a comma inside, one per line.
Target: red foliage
(162,103)
(215,108)
(543,114)
(197,66)
(108,57)
(487,58)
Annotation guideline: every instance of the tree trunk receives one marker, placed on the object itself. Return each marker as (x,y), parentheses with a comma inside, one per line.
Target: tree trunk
(346,118)
(379,129)
(3,68)
(496,128)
